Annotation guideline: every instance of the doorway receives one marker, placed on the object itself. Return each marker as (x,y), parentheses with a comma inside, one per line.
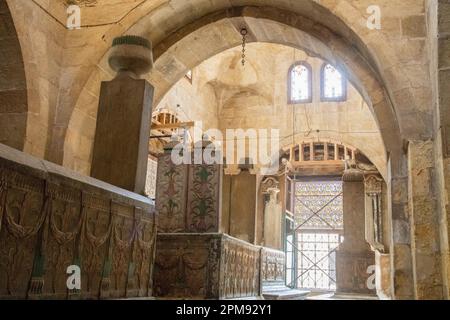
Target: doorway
(314,231)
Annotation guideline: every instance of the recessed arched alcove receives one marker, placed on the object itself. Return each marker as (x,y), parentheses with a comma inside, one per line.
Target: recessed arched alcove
(13,85)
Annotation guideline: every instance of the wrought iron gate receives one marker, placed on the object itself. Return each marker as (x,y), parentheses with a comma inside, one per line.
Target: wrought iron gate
(316,227)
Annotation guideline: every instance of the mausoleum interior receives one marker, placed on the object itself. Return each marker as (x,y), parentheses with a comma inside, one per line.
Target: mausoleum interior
(225,149)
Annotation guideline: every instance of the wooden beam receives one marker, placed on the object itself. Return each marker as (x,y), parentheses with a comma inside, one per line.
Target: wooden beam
(174,125)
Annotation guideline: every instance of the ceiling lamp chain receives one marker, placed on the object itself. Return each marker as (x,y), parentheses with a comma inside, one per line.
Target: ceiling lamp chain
(244,33)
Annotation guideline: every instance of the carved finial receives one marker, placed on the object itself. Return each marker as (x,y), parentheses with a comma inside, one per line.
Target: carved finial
(131,54)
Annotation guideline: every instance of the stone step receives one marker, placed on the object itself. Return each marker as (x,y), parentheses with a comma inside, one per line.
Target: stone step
(284,293)
(334,296)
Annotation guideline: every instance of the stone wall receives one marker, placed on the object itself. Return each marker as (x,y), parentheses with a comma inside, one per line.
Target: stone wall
(13,86)
(427,264)
(438,17)
(52,218)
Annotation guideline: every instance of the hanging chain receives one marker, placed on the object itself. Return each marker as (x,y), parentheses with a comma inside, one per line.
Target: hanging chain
(244,33)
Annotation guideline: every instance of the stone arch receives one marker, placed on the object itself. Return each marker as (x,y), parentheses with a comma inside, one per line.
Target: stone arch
(13,85)
(327,20)
(210,29)
(173,58)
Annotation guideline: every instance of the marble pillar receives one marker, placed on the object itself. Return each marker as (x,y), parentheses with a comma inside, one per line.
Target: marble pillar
(120,154)
(354,259)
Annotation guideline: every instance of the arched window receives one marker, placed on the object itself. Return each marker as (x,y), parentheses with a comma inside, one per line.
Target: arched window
(334,85)
(300,83)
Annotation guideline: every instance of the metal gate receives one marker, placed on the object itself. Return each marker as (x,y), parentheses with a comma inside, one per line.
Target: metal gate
(314,232)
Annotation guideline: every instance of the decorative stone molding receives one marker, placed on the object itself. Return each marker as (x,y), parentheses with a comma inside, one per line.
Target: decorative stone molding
(373,185)
(352,173)
(269,184)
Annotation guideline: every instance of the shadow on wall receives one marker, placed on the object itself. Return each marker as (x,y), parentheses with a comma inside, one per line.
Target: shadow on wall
(13,88)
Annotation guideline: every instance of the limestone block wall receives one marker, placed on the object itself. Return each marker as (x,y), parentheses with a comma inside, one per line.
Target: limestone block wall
(13,86)
(53,218)
(425,246)
(444,101)
(438,17)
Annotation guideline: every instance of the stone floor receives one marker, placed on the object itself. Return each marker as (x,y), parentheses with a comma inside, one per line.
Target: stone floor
(333,296)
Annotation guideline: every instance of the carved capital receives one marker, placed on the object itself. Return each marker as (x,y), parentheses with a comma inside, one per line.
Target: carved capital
(270,185)
(373,185)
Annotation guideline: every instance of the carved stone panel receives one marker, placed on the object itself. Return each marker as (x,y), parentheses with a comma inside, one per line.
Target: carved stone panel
(51,219)
(95,243)
(60,237)
(206,266)
(171,195)
(140,280)
(273,263)
(203,198)
(123,234)
(240,267)
(24,209)
(182,266)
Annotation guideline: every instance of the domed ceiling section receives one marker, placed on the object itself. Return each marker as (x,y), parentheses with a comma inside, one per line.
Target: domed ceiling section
(256,96)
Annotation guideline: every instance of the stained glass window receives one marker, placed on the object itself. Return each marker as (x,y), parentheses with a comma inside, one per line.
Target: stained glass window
(300,83)
(333,84)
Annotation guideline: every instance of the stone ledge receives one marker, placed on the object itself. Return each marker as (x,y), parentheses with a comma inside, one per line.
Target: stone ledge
(29,165)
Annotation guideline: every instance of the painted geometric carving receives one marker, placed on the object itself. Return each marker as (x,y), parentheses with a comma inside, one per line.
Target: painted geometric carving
(171,195)
(203,206)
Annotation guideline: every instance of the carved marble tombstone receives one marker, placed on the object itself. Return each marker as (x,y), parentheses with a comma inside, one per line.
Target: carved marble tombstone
(120,153)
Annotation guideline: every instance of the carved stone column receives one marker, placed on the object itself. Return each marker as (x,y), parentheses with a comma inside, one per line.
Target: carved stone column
(272,214)
(374,213)
(354,256)
(120,152)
